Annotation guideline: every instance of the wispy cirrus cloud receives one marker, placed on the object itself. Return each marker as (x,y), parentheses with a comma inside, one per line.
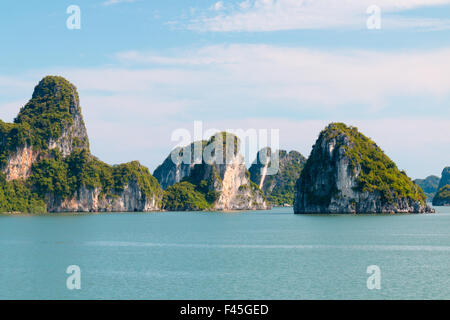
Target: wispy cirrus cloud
(275,15)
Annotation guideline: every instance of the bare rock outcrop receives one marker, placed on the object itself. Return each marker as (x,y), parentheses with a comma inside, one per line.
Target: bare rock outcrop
(179,164)
(93,200)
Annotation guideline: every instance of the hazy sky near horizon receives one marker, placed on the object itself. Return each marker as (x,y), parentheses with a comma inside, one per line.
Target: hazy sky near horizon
(144,68)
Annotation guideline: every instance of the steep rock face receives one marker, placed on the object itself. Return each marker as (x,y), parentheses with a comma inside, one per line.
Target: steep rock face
(442,197)
(220,182)
(236,190)
(82,183)
(50,120)
(170,172)
(429,185)
(348,173)
(93,200)
(276,174)
(19,163)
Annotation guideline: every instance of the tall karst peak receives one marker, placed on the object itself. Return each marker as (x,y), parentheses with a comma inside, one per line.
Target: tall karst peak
(54,114)
(51,120)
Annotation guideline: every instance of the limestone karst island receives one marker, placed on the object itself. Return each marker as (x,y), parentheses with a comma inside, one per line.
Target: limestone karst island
(47,166)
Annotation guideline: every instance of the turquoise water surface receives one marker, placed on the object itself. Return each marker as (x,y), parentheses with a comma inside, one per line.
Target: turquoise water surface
(204,255)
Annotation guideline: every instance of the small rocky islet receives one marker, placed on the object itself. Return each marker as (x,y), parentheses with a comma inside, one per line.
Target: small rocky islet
(46,166)
(348,173)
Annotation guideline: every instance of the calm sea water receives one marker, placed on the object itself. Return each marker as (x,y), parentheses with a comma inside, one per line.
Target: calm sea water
(248,255)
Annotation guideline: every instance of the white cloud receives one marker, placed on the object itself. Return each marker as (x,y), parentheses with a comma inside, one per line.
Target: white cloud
(259,78)
(273,15)
(245,4)
(112,2)
(325,79)
(218,6)
(9,110)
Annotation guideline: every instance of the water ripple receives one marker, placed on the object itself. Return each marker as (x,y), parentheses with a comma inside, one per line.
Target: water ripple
(281,246)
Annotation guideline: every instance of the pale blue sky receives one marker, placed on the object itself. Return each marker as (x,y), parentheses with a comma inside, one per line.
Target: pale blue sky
(145,68)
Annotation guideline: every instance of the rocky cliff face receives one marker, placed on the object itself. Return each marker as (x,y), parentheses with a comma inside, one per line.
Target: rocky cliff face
(19,162)
(236,190)
(220,182)
(276,174)
(348,173)
(93,200)
(442,197)
(48,146)
(171,172)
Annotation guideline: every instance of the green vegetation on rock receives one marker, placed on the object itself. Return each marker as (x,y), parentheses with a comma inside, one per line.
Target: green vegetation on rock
(184,196)
(197,190)
(442,197)
(201,189)
(378,171)
(44,116)
(48,111)
(279,188)
(15,196)
(429,185)
(63,176)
